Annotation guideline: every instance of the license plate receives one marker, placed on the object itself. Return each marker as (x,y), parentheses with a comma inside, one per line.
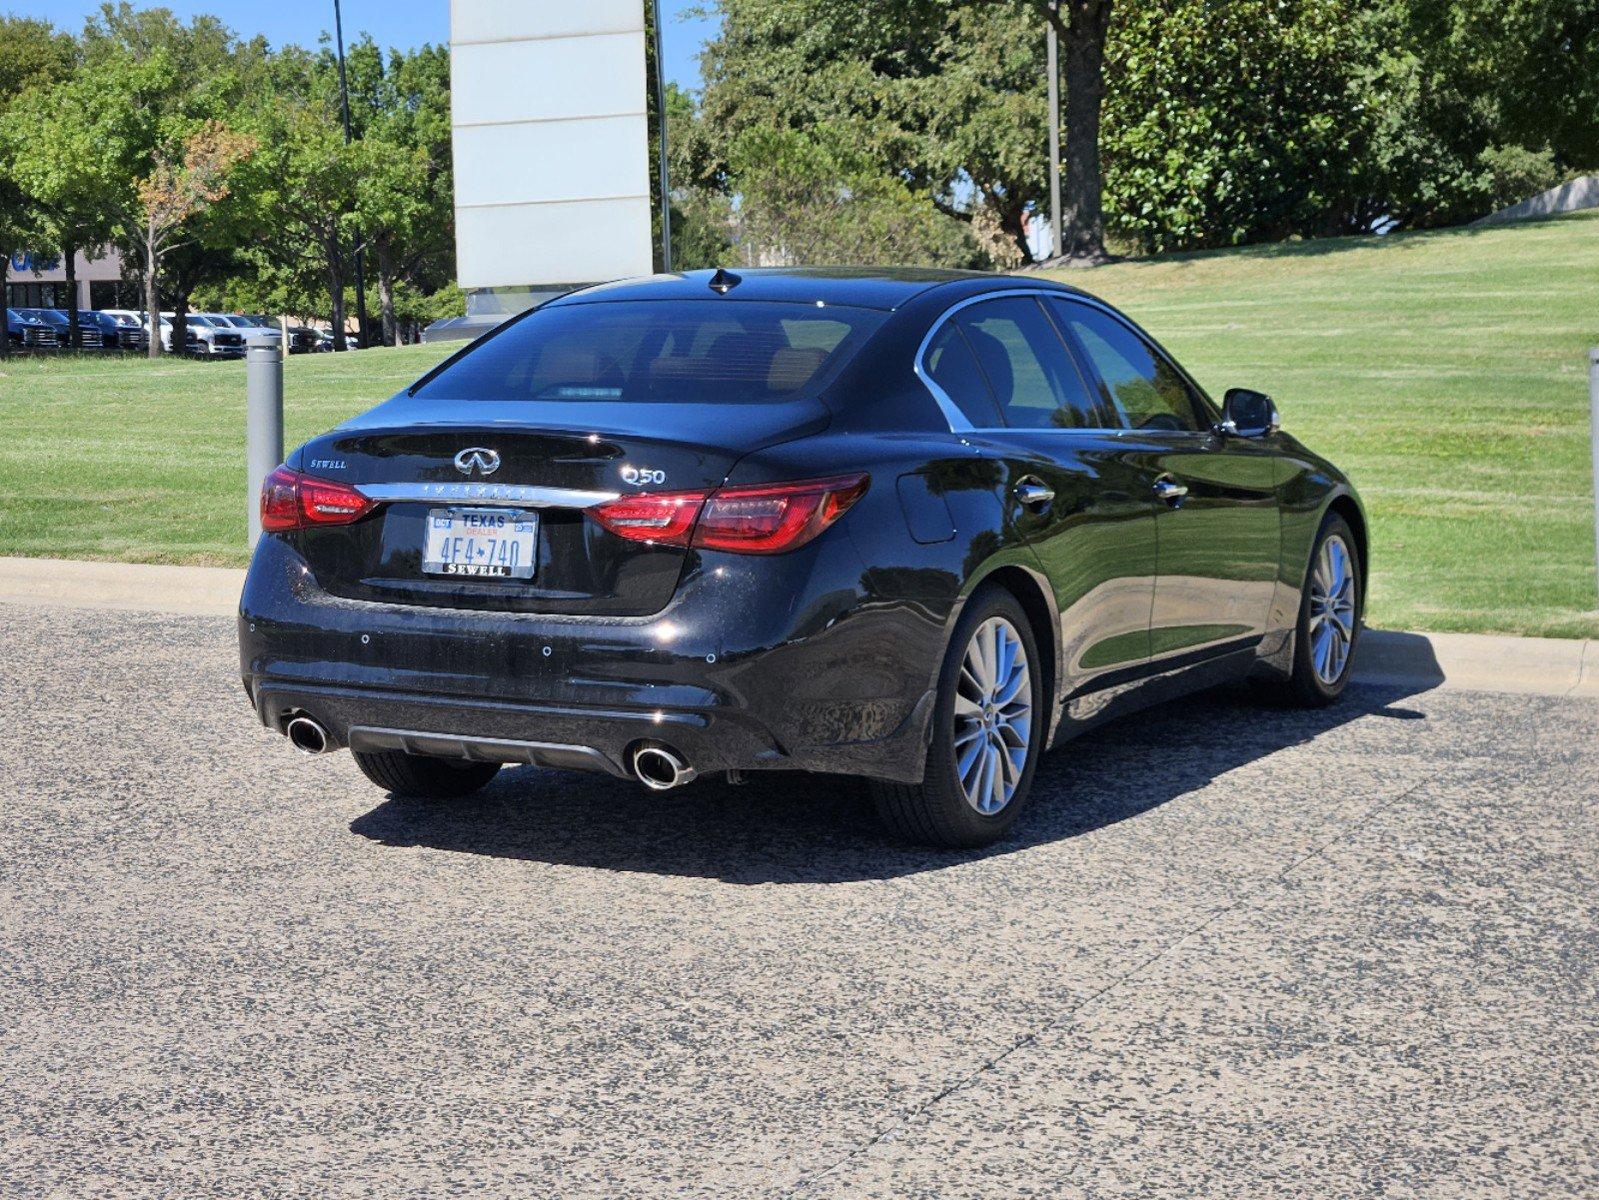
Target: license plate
(491,543)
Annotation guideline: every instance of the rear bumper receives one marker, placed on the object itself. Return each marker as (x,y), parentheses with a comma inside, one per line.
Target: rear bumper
(787,666)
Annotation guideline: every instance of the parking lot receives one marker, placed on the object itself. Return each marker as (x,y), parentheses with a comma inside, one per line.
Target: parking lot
(1233,952)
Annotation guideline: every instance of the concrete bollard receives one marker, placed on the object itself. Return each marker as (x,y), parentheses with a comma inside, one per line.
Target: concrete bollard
(263,443)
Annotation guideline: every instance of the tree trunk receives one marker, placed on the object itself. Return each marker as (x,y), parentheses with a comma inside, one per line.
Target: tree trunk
(391,334)
(1082,218)
(5,268)
(152,264)
(180,324)
(336,294)
(69,253)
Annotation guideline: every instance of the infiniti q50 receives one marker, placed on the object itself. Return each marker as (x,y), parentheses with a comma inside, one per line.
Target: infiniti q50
(910,526)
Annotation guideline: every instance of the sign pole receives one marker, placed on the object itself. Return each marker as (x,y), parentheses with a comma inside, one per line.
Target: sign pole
(1054,136)
(660,121)
(263,438)
(1593,432)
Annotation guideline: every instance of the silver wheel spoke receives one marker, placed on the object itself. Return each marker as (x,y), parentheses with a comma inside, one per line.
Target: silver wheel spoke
(1332,594)
(993,716)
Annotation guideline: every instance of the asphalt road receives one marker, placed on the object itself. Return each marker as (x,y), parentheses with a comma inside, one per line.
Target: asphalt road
(1233,953)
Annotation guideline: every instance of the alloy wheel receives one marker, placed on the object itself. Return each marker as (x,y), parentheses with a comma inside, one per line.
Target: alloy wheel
(993,716)
(1332,610)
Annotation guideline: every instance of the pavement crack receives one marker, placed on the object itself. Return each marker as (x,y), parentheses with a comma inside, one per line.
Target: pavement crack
(906,1117)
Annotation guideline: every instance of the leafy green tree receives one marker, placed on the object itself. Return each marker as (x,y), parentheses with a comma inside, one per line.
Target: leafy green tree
(72,147)
(185,181)
(303,180)
(805,197)
(1477,103)
(32,53)
(1235,123)
(949,97)
(400,109)
(180,84)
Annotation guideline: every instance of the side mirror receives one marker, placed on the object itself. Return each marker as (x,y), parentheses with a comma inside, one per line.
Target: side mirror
(1249,414)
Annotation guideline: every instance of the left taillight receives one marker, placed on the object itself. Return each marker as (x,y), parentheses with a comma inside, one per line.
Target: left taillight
(290,500)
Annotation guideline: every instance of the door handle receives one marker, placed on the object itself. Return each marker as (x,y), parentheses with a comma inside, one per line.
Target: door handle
(1170,490)
(1033,493)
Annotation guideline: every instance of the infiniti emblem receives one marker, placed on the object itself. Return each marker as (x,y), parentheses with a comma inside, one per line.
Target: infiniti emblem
(477,459)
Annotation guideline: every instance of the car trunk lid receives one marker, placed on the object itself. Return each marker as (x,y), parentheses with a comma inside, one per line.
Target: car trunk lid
(544,464)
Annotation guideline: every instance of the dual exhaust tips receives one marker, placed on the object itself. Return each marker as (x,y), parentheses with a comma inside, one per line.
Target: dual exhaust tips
(659,768)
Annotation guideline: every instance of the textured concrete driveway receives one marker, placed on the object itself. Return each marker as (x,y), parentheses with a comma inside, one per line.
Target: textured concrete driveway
(1234,953)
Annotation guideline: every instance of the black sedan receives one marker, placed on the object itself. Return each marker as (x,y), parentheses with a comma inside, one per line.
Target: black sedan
(911,526)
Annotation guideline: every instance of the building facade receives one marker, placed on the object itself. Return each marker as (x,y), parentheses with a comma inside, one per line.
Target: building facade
(38,279)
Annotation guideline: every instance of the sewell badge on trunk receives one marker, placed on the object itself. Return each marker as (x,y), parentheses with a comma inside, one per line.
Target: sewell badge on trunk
(493,543)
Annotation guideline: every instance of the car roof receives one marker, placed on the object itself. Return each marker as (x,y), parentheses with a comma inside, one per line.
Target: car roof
(860,287)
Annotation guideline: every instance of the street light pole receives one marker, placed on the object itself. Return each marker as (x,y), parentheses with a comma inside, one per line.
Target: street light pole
(660,121)
(360,246)
(1054,132)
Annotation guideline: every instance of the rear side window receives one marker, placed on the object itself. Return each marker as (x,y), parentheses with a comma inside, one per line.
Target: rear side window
(1146,390)
(949,363)
(1033,378)
(688,352)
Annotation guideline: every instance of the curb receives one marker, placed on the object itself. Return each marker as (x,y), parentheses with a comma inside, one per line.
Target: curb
(1479,662)
(127,587)
(1384,658)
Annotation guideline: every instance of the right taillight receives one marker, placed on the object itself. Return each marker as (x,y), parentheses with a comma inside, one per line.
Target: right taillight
(767,518)
(774,517)
(290,500)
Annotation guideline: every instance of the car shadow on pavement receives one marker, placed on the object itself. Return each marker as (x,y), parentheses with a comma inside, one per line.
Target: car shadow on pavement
(793,828)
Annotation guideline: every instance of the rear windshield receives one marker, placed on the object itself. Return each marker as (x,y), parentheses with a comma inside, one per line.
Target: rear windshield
(689,352)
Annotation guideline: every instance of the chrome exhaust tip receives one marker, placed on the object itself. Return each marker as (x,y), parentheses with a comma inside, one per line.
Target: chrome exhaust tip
(308,736)
(660,768)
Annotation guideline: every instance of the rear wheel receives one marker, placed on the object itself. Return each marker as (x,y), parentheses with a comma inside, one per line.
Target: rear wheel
(1329,618)
(422,776)
(988,725)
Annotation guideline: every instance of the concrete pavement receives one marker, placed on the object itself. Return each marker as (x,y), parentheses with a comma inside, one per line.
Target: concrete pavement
(1474,662)
(1232,951)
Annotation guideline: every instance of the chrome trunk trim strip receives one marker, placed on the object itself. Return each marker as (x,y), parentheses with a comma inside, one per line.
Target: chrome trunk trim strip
(511,494)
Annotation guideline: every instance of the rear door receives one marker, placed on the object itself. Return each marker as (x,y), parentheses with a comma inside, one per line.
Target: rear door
(1218,522)
(1094,534)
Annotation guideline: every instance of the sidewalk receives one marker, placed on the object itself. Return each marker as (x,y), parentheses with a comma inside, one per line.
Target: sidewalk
(1458,661)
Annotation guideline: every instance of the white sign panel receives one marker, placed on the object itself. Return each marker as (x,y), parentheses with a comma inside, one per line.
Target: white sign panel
(551,142)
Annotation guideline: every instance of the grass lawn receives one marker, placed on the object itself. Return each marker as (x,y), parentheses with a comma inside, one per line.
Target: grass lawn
(1445,371)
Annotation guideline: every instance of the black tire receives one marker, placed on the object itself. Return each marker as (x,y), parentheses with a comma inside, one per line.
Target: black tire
(423,777)
(936,812)
(1304,688)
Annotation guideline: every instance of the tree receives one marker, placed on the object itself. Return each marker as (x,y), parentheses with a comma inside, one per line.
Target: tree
(71,148)
(1082,35)
(187,179)
(1236,123)
(400,108)
(180,85)
(31,53)
(806,197)
(303,181)
(948,97)
(1477,103)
